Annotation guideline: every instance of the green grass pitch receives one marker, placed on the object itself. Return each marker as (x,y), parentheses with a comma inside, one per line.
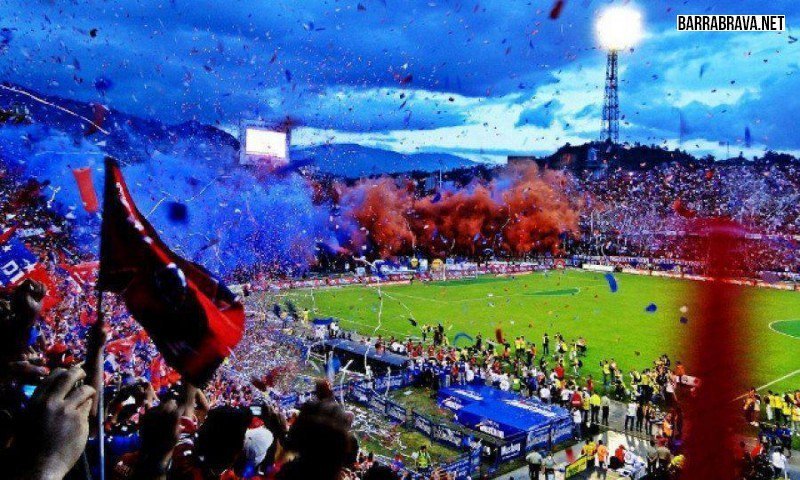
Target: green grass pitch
(573,303)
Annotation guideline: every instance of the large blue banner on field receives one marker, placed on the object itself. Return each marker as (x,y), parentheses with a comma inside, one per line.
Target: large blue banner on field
(15,262)
(505,414)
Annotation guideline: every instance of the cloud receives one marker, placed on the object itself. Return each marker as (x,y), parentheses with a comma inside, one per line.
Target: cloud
(487,78)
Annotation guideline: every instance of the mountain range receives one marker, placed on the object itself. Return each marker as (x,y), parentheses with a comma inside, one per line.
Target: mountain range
(133,139)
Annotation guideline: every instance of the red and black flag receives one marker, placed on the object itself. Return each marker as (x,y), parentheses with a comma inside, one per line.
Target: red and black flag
(193,319)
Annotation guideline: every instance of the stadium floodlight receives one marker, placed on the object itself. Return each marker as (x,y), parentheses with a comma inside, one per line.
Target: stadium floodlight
(619,27)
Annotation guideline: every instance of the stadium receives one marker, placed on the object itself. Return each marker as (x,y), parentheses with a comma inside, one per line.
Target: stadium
(368,240)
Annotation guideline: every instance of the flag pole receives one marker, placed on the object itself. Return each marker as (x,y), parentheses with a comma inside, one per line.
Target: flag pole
(101,434)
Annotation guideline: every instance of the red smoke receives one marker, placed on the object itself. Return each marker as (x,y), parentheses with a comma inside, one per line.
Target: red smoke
(538,211)
(381,207)
(460,223)
(522,210)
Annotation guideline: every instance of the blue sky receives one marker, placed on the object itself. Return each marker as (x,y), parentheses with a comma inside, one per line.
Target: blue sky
(481,79)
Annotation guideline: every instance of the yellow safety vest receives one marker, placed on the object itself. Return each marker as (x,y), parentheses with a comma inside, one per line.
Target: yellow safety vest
(424,460)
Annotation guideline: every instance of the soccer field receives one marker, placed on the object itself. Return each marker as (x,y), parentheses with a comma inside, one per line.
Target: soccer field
(573,303)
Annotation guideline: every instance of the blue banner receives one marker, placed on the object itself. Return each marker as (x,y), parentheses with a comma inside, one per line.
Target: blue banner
(563,431)
(465,466)
(513,448)
(395,381)
(448,435)
(538,437)
(361,393)
(288,401)
(396,411)
(378,404)
(423,424)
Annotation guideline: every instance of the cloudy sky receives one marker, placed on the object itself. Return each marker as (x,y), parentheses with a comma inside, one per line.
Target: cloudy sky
(478,78)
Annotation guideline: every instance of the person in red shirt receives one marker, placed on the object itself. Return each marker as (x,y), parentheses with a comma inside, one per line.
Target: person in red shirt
(559,371)
(618,460)
(577,399)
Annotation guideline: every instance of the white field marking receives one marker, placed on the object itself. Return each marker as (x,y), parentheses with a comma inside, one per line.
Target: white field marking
(762,387)
(788,375)
(783,333)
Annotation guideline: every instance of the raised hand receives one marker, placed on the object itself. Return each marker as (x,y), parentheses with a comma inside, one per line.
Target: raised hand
(55,426)
(96,338)
(27,300)
(16,320)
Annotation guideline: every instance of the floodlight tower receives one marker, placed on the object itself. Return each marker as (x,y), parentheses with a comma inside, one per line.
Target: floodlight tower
(618,28)
(611,100)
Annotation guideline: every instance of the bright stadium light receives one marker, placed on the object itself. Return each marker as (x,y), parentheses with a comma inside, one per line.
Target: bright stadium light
(619,28)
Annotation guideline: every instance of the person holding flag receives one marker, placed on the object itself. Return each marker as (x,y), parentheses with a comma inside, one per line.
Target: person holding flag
(193,319)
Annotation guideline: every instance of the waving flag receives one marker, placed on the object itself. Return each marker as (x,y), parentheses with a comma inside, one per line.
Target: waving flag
(16,261)
(193,319)
(122,347)
(83,177)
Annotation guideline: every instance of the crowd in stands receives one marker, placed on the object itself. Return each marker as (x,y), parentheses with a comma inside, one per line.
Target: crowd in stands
(26,206)
(52,371)
(155,426)
(762,196)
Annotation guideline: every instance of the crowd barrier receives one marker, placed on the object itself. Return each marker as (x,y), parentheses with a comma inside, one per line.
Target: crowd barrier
(372,395)
(367,393)
(495,450)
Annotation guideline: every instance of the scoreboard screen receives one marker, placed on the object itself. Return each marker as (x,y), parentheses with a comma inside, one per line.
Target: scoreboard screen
(264,147)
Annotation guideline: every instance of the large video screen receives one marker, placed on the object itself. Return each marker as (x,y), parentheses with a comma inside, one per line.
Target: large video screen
(265,146)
